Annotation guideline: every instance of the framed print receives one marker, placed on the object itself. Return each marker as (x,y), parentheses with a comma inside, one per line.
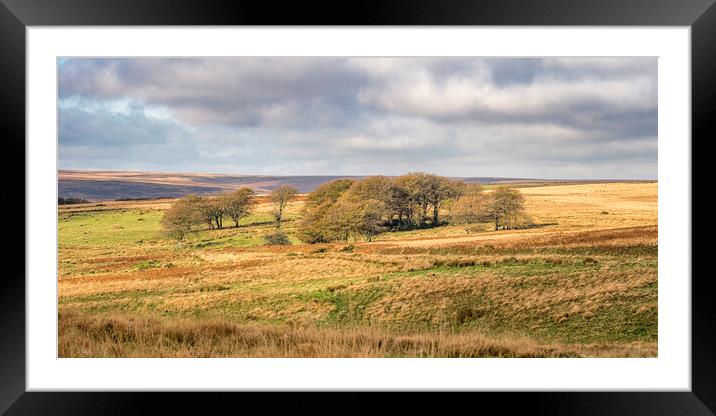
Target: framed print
(484,198)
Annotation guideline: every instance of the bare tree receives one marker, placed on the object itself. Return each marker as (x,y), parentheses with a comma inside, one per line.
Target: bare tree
(212,211)
(505,206)
(469,208)
(238,204)
(441,189)
(280,198)
(181,218)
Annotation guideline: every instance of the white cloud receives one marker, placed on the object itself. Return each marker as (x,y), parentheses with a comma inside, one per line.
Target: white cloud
(552,117)
(466,98)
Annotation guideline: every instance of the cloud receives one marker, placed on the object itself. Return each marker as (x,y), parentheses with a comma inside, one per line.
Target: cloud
(475,97)
(225,91)
(126,138)
(463,116)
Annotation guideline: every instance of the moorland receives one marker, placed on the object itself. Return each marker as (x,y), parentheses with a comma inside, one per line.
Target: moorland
(579,281)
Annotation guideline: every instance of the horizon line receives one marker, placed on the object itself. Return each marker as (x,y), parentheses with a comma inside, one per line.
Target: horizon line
(346,175)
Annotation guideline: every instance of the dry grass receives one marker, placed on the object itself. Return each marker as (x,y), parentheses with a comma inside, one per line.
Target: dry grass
(127,336)
(584,279)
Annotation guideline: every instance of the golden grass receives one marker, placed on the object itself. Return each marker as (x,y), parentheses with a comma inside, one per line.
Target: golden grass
(584,283)
(594,205)
(115,336)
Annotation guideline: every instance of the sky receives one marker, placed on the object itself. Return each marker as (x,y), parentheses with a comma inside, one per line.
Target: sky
(561,118)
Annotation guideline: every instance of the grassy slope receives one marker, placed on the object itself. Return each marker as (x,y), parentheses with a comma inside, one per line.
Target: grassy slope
(588,279)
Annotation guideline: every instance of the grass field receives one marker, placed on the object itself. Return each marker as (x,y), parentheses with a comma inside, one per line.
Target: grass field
(581,283)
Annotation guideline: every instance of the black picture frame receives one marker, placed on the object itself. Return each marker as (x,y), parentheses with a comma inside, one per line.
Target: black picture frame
(16,15)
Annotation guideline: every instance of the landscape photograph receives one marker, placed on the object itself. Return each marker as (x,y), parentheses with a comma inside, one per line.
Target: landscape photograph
(357,207)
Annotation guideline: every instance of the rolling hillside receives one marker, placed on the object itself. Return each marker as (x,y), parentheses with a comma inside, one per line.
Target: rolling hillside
(581,284)
(113,185)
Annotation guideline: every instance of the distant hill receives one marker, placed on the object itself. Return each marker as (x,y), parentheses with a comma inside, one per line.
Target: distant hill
(112,185)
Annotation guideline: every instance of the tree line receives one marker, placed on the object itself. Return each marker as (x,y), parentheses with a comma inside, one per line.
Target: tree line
(71,200)
(192,211)
(345,208)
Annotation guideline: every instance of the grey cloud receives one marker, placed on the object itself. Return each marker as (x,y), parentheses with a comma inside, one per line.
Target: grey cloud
(224,91)
(541,117)
(129,139)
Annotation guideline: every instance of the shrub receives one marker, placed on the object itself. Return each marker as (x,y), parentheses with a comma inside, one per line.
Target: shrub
(277,239)
(71,200)
(590,260)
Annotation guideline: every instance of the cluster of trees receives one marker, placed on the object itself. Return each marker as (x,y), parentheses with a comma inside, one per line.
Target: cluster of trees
(71,200)
(345,208)
(503,206)
(191,211)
